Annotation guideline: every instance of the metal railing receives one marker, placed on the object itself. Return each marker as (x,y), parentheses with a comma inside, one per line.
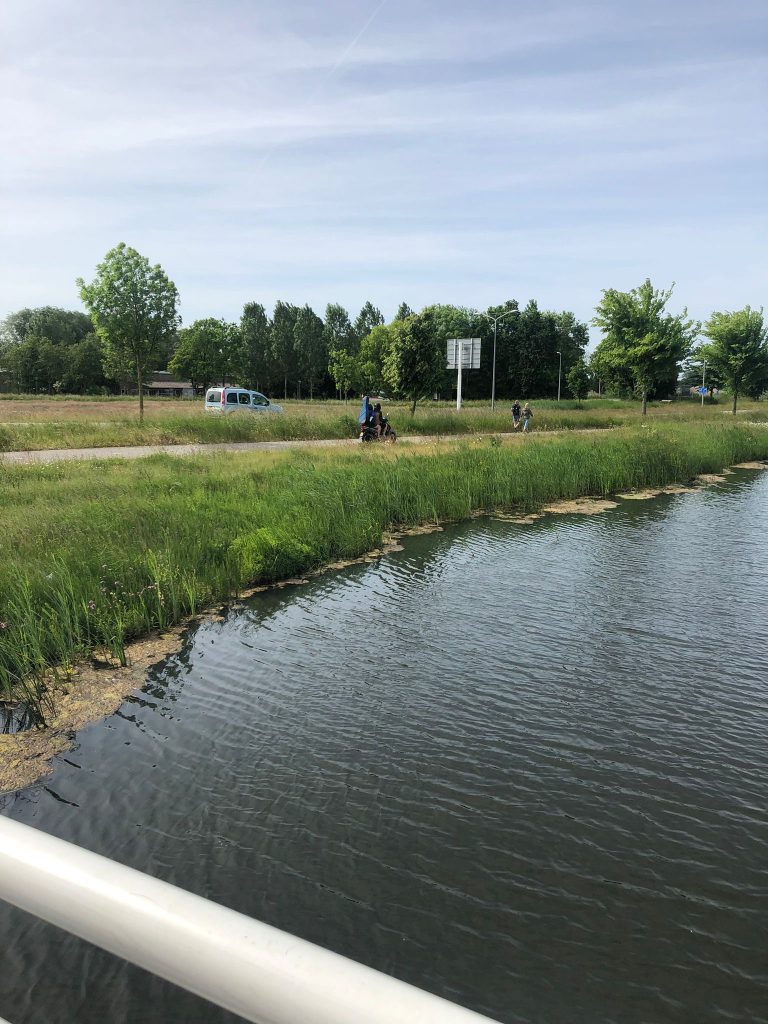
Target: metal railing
(261,973)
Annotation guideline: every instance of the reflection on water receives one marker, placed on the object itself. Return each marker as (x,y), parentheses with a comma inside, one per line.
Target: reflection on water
(523,767)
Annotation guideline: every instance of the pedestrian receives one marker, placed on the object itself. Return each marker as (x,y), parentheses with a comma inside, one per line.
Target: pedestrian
(527,413)
(515,414)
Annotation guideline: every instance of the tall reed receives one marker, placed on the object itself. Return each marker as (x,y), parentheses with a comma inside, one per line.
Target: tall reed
(95,554)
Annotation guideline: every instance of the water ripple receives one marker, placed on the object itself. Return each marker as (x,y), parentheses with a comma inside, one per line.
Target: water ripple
(524,767)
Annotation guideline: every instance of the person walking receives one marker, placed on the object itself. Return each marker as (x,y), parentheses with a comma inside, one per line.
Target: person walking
(515,414)
(527,413)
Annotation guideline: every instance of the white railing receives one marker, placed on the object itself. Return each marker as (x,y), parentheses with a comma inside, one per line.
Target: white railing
(265,975)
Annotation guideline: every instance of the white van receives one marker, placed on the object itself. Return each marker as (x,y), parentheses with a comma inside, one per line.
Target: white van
(238,400)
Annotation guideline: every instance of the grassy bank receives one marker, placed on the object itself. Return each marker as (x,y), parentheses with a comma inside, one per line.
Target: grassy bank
(96,554)
(62,423)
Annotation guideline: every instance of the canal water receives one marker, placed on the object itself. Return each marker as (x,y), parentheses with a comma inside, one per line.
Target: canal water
(522,766)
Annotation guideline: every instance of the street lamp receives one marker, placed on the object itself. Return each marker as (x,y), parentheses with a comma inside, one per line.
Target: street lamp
(559,373)
(495,320)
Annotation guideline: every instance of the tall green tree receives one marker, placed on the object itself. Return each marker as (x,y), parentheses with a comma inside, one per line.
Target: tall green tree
(284,341)
(252,360)
(83,370)
(205,352)
(413,365)
(36,365)
(403,310)
(738,351)
(577,380)
(38,348)
(449,321)
(134,309)
(339,334)
(368,318)
(311,351)
(641,339)
(533,362)
(60,326)
(342,347)
(374,349)
(343,368)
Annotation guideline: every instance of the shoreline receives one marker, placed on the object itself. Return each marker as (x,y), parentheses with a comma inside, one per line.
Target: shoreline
(91,692)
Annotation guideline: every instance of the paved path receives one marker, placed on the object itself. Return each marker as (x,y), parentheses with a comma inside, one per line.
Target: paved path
(141,451)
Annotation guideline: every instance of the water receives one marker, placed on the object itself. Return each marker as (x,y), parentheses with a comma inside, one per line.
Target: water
(523,767)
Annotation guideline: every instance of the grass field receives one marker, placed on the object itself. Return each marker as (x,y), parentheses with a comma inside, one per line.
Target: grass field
(94,554)
(34,423)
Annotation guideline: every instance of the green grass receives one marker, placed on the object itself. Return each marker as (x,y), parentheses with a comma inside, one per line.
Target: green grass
(94,554)
(47,425)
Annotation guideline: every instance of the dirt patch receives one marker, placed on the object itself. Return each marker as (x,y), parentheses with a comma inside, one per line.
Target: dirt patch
(522,518)
(81,696)
(751,465)
(654,492)
(581,506)
(713,478)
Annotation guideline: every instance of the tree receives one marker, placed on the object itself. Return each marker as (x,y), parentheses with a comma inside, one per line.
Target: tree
(343,368)
(641,340)
(133,307)
(738,351)
(371,357)
(311,352)
(338,329)
(35,365)
(83,371)
(577,380)
(205,351)
(403,310)
(60,326)
(284,341)
(252,355)
(368,318)
(38,348)
(340,341)
(457,322)
(533,359)
(413,365)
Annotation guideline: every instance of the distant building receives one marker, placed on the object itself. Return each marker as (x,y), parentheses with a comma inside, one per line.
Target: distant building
(163,385)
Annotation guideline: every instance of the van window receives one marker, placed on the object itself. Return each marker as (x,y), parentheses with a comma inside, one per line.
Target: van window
(259,399)
(244,398)
(231,398)
(213,396)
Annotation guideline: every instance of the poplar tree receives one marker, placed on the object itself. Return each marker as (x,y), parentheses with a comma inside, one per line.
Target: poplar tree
(311,352)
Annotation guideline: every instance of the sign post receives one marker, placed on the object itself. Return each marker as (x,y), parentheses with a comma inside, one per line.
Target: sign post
(462,353)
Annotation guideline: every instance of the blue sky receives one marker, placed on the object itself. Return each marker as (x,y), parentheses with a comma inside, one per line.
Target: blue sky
(427,151)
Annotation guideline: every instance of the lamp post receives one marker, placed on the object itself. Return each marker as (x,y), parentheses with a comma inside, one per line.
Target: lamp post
(559,373)
(495,320)
(703,381)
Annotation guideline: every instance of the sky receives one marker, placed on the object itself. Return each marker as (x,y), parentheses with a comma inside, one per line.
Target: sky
(387,150)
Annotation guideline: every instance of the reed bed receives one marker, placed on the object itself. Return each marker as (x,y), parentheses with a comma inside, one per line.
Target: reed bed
(95,554)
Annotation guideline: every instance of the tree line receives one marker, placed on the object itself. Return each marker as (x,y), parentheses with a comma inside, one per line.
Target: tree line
(133,328)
